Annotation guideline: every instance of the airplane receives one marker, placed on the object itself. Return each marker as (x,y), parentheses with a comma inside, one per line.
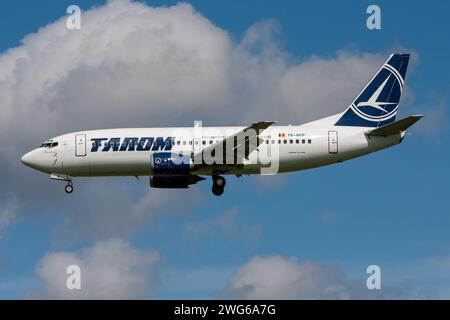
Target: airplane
(179,157)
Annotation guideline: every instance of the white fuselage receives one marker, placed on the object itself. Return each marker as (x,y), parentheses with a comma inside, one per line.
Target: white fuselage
(291,148)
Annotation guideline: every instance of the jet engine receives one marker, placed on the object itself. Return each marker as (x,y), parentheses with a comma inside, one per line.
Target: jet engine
(170,164)
(174,182)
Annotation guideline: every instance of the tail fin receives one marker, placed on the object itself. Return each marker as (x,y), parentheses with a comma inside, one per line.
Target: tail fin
(377,104)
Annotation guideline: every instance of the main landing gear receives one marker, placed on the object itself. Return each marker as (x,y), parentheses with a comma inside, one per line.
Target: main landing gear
(69,187)
(218,185)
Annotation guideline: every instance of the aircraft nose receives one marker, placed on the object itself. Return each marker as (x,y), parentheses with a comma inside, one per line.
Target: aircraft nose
(33,159)
(27,159)
(37,159)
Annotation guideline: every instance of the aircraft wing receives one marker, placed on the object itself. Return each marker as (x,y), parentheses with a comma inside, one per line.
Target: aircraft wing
(237,146)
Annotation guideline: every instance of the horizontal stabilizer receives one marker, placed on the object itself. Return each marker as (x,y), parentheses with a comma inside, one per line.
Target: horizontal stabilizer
(395,128)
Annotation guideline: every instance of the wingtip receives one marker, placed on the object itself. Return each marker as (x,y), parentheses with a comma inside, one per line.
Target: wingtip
(418,116)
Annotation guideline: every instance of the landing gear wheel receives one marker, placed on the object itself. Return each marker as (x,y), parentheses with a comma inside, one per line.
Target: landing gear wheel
(218,185)
(219,182)
(217,191)
(69,188)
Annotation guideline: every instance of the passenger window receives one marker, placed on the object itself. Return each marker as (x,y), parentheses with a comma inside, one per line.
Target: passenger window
(210,142)
(203,142)
(309,141)
(291,141)
(285,141)
(184,143)
(303,141)
(178,142)
(267,141)
(279,141)
(190,142)
(297,141)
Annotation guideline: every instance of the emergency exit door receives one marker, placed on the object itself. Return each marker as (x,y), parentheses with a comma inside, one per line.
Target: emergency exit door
(196,144)
(80,145)
(332,142)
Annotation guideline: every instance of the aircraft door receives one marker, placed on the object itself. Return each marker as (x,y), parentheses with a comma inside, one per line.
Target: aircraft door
(332,142)
(80,145)
(196,142)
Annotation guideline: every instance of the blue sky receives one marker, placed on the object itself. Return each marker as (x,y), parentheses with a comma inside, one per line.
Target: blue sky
(388,208)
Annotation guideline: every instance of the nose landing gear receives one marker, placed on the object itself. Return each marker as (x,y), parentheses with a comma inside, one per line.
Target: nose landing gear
(218,185)
(69,187)
(63,177)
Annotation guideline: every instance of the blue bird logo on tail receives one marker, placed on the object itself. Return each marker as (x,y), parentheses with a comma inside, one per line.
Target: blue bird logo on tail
(377,104)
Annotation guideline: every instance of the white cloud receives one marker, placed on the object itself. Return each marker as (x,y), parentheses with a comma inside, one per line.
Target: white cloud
(278,277)
(110,269)
(133,65)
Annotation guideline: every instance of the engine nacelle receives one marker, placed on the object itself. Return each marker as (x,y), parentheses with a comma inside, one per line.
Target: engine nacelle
(170,164)
(174,182)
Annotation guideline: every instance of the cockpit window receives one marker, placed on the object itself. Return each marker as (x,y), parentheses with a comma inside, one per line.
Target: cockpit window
(48,145)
